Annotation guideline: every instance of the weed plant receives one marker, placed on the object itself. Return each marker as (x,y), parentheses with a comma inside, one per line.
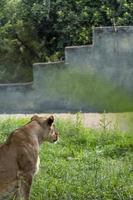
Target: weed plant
(85,164)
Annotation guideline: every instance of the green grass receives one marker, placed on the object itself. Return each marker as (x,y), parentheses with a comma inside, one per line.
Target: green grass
(84,165)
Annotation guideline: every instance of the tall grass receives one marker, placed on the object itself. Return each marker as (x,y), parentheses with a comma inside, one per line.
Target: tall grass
(84,165)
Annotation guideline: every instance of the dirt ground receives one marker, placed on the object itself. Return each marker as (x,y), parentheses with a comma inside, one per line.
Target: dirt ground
(92,120)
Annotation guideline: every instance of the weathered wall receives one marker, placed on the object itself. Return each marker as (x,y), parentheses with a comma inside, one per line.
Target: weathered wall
(16,98)
(93,78)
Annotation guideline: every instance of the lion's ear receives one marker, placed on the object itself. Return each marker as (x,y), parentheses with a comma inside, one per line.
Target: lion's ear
(35,117)
(50,120)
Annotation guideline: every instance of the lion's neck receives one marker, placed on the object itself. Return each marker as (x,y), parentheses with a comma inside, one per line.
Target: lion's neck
(35,129)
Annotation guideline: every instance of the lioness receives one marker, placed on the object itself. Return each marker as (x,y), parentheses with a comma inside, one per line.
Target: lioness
(19,156)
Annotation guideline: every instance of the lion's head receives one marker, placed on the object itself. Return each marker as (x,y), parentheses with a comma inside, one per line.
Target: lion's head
(48,130)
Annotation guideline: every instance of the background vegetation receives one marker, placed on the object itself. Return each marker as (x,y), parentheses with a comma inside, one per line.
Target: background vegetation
(84,164)
(38,30)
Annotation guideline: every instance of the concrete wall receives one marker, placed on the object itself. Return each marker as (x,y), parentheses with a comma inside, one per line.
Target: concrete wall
(93,78)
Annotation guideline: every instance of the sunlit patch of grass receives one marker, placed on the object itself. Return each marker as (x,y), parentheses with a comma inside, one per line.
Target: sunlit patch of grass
(84,164)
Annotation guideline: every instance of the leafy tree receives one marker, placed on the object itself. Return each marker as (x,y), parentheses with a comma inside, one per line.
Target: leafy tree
(39,30)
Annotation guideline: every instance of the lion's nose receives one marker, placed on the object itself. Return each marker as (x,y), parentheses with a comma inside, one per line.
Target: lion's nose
(56,136)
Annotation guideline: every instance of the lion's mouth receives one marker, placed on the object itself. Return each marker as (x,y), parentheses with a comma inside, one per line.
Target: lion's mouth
(54,141)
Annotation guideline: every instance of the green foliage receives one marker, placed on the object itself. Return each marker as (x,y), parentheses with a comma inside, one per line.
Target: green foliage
(38,30)
(84,164)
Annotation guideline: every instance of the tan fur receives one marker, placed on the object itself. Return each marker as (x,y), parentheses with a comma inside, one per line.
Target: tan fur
(19,156)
